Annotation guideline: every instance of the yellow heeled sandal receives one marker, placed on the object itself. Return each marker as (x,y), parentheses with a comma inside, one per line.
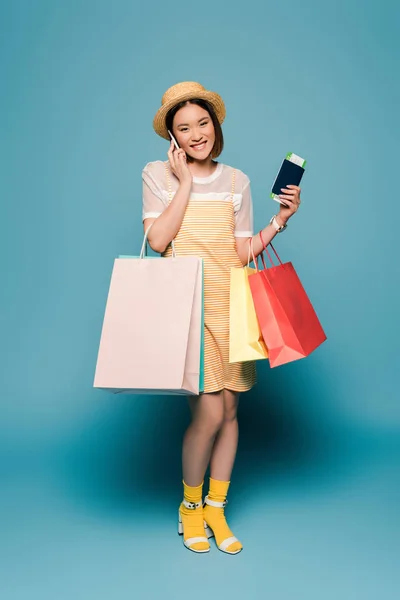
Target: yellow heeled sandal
(196,543)
(224,545)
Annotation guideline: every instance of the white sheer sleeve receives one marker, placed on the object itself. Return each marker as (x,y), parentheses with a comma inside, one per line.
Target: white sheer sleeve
(244,216)
(153,200)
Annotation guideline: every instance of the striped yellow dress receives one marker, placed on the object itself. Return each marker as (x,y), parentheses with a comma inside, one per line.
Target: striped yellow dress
(207,231)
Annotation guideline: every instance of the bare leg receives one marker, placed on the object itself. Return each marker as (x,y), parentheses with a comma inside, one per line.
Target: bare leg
(226,442)
(222,461)
(207,418)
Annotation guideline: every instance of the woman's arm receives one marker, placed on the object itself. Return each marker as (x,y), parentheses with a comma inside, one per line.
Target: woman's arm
(242,244)
(165,227)
(291,197)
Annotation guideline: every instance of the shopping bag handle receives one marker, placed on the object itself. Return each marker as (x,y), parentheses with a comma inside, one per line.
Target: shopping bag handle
(143,251)
(251,249)
(251,256)
(268,254)
(251,252)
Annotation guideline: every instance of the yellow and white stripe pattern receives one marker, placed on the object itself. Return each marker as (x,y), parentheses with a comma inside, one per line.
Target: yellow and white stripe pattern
(207,231)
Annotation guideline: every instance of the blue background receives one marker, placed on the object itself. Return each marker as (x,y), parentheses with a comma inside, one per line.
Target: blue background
(90,483)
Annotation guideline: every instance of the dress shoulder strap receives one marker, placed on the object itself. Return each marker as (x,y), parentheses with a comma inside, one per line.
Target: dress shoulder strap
(233,183)
(169,186)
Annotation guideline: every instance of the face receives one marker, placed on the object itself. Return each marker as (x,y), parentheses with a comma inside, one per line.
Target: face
(194,131)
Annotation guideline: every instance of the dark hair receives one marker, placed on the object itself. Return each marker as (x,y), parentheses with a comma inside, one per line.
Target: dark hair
(219,137)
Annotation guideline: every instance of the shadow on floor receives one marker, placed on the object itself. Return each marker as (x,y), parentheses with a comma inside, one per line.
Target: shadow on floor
(129,454)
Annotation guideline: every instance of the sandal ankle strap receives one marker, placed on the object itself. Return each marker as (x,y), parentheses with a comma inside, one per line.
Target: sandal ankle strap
(191,505)
(215,504)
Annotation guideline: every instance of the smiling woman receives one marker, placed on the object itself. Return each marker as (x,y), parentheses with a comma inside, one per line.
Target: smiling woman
(205,206)
(208,129)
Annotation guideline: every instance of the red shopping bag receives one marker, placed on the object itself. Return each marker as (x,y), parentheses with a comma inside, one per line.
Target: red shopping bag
(287,319)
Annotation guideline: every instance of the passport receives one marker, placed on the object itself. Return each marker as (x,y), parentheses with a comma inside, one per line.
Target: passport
(290,173)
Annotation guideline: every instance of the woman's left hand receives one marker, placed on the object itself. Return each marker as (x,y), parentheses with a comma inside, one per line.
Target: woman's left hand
(291,197)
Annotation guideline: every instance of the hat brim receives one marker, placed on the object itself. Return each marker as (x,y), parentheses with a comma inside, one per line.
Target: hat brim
(212,97)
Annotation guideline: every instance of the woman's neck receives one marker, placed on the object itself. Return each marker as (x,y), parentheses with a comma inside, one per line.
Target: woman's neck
(202,168)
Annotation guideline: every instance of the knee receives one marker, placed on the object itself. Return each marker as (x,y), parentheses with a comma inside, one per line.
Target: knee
(215,421)
(211,422)
(230,414)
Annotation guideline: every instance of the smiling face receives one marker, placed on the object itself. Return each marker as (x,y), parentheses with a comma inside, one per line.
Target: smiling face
(194,131)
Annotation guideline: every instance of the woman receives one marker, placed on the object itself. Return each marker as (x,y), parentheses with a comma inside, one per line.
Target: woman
(206,208)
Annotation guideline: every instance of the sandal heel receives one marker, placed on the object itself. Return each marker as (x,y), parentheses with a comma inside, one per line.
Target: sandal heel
(209,532)
(180,525)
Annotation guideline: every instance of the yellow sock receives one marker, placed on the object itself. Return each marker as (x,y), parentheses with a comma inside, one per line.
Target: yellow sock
(215,517)
(192,519)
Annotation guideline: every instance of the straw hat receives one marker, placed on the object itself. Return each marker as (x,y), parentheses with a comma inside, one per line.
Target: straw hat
(186,90)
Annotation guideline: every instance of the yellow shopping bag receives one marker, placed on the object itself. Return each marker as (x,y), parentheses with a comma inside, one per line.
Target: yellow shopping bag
(245,337)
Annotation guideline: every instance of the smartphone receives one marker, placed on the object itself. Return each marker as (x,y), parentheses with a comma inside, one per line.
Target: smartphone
(290,173)
(174,140)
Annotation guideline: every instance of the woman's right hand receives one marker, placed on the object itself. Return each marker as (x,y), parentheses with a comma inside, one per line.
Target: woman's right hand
(179,167)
